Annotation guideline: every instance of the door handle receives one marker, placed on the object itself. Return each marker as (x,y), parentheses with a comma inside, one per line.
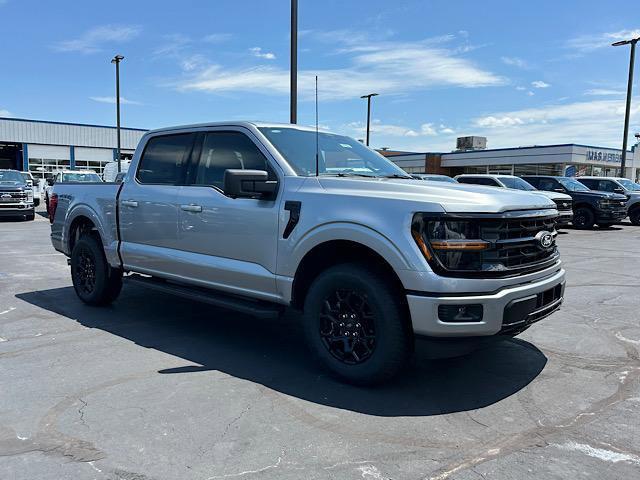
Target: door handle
(129,203)
(191,208)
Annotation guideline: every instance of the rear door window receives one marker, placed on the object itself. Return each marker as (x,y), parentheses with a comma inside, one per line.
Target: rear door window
(479,181)
(548,184)
(164,159)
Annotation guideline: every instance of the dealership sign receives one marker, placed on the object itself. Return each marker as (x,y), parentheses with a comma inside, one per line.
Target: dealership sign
(602,156)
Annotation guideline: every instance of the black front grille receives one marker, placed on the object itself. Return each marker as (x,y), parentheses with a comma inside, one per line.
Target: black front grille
(520,313)
(514,245)
(15,195)
(564,205)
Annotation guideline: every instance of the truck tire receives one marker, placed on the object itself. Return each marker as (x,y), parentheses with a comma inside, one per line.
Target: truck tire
(356,324)
(634,216)
(605,225)
(583,218)
(94,280)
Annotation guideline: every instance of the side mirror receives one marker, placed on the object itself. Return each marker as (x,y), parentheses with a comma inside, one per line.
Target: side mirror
(248,184)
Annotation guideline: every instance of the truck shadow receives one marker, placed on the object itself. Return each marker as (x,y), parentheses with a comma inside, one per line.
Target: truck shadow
(273,354)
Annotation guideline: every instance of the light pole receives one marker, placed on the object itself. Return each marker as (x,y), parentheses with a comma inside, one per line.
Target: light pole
(368,97)
(632,42)
(117,59)
(294,63)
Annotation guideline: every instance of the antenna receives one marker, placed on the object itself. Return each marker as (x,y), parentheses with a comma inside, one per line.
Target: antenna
(317,161)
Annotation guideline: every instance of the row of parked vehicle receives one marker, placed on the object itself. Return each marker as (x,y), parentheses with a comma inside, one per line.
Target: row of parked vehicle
(583,201)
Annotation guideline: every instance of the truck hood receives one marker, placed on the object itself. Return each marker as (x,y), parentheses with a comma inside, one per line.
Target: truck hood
(460,198)
(554,195)
(13,187)
(601,194)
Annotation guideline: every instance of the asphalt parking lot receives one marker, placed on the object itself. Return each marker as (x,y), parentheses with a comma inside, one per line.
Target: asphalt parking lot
(157,387)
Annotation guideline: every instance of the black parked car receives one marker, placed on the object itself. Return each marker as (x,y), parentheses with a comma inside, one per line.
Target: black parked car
(589,206)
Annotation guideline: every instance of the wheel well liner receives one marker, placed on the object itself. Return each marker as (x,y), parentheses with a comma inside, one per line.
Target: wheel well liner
(79,226)
(334,252)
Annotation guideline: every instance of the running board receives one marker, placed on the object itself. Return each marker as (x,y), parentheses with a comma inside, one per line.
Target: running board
(256,308)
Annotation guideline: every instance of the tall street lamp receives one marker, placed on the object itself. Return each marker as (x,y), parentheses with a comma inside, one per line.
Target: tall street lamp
(294,63)
(368,97)
(632,42)
(117,59)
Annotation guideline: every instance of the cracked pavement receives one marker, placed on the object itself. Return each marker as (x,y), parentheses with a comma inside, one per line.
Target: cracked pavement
(156,387)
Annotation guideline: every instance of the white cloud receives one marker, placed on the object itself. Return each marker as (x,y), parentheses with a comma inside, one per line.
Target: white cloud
(174,44)
(521,88)
(502,121)
(384,67)
(530,93)
(257,52)
(591,42)
(93,40)
(217,37)
(123,100)
(604,92)
(514,61)
(540,84)
(5,113)
(391,130)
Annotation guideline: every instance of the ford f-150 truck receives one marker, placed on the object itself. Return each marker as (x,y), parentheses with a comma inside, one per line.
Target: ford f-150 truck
(589,206)
(624,186)
(564,203)
(262,217)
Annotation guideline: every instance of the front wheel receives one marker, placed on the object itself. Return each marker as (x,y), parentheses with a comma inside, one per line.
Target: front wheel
(635,217)
(583,218)
(94,280)
(357,325)
(605,224)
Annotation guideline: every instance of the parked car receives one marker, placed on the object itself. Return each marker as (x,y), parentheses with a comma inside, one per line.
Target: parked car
(589,206)
(69,176)
(260,217)
(433,177)
(564,202)
(111,170)
(623,186)
(35,186)
(16,195)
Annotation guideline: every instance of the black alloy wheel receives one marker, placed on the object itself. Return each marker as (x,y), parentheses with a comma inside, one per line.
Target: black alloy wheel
(347,326)
(86,272)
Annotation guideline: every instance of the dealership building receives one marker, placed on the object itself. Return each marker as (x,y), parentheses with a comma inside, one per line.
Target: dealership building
(42,147)
(565,159)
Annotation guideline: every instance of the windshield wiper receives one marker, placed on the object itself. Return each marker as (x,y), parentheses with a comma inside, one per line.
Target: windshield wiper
(346,174)
(397,175)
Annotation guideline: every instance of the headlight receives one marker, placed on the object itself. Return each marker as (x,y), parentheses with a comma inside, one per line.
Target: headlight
(29,195)
(452,244)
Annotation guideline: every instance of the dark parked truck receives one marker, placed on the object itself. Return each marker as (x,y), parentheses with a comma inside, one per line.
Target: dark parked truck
(16,195)
(263,217)
(589,206)
(623,186)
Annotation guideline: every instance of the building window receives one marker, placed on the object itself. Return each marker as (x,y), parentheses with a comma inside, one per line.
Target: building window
(500,169)
(475,169)
(40,167)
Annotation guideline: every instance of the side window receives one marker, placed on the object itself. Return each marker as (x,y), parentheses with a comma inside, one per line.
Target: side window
(164,158)
(589,183)
(548,184)
(228,150)
(606,186)
(479,181)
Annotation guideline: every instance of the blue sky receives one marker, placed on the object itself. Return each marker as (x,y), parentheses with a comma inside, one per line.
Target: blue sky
(520,73)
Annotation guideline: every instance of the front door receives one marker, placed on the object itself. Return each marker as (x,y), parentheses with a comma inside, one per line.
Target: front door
(228,243)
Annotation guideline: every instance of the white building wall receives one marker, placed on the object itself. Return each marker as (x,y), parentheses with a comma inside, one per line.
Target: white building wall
(34,132)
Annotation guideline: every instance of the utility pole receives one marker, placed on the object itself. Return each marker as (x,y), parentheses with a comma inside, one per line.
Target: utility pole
(117,59)
(632,55)
(294,63)
(368,97)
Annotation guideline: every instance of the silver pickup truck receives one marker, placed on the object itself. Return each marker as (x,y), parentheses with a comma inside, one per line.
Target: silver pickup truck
(261,217)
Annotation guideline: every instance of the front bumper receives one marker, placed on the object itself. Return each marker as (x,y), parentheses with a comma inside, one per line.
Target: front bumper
(611,215)
(498,309)
(564,218)
(14,209)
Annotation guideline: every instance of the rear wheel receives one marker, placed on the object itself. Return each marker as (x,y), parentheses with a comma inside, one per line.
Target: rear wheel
(583,218)
(94,280)
(634,216)
(356,324)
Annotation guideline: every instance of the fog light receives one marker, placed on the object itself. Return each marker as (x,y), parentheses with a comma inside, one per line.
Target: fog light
(460,313)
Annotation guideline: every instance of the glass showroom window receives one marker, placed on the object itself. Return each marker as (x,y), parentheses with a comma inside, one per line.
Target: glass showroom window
(95,165)
(39,167)
(475,169)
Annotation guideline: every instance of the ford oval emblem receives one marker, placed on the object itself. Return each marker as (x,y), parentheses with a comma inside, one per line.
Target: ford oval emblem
(545,239)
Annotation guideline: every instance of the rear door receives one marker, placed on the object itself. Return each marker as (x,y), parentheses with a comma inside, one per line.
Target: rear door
(148,205)
(228,243)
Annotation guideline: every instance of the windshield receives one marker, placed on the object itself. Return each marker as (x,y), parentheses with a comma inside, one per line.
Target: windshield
(438,178)
(10,176)
(629,185)
(572,185)
(26,175)
(80,177)
(517,183)
(337,155)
